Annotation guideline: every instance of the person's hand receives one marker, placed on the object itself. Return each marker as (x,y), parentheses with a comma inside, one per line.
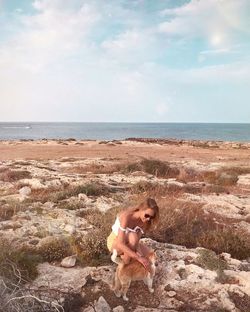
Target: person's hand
(144,261)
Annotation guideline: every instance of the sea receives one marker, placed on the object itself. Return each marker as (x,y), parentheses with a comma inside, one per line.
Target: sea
(237,132)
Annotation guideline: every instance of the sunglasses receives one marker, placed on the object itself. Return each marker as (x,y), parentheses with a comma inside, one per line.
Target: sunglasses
(148,216)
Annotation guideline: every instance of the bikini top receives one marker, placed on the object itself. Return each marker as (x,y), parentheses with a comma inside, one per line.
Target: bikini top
(116,226)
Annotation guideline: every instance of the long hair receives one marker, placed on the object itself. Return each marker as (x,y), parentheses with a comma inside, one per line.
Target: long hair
(149,203)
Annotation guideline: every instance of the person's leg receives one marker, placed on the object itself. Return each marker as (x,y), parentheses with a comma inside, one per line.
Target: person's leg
(132,241)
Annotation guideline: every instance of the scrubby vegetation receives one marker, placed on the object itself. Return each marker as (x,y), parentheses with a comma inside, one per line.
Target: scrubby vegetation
(185,223)
(59,194)
(8,175)
(153,166)
(92,247)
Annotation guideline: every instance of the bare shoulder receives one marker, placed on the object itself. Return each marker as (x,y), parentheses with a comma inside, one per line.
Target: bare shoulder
(124,217)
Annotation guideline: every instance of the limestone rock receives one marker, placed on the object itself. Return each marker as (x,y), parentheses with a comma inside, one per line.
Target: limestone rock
(69,262)
(25,191)
(102,306)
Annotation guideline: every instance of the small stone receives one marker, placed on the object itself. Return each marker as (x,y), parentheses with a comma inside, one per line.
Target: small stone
(102,306)
(83,197)
(88,309)
(25,191)
(70,229)
(171,293)
(118,309)
(69,262)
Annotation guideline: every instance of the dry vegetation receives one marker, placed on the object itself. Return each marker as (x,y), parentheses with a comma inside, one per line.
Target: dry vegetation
(187,224)
(181,222)
(8,175)
(59,194)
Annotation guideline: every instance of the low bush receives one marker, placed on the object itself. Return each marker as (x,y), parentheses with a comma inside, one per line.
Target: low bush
(55,248)
(9,175)
(92,247)
(155,167)
(56,194)
(17,263)
(186,223)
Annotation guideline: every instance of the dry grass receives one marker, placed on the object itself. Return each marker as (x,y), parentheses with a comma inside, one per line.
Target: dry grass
(58,194)
(9,208)
(225,176)
(55,248)
(9,175)
(155,167)
(92,248)
(13,260)
(96,169)
(186,223)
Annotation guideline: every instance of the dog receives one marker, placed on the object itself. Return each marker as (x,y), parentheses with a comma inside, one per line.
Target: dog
(133,271)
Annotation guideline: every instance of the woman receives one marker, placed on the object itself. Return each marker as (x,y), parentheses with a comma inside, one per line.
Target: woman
(127,230)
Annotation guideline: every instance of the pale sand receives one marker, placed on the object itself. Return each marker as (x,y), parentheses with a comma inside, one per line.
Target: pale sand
(128,150)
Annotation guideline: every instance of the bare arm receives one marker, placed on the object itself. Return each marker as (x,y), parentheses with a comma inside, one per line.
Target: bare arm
(121,243)
(121,238)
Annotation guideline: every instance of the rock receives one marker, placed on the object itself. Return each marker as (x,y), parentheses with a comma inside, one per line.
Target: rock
(171,293)
(71,229)
(118,309)
(244,181)
(88,309)
(33,183)
(102,306)
(83,197)
(69,262)
(25,191)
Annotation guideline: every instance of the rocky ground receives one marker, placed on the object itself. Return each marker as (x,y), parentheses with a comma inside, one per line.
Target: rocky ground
(65,189)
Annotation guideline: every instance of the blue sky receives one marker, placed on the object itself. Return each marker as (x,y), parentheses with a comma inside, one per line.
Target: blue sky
(117,60)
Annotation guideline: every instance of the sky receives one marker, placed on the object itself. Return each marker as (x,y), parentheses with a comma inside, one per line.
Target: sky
(125,60)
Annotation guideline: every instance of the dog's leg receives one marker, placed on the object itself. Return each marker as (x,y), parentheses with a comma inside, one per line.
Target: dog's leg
(124,290)
(149,282)
(117,283)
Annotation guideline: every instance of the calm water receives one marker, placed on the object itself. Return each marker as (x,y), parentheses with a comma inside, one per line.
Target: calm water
(109,131)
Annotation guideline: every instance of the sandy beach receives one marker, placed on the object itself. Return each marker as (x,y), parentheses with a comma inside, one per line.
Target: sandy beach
(168,150)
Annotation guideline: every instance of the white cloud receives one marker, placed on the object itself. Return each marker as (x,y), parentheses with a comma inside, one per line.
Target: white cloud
(47,36)
(215,21)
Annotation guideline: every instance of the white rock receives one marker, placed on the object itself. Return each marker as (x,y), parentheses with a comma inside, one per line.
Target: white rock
(88,309)
(33,183)
(83,197)
(71,229)
(25,191)
(171,293)
(69,262)
(244,180)
(118,309)
(102,306)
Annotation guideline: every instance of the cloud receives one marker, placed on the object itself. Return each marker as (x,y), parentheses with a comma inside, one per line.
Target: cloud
(47,36)
(215,21)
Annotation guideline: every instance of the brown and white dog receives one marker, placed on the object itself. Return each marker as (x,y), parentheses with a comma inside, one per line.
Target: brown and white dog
(133,271)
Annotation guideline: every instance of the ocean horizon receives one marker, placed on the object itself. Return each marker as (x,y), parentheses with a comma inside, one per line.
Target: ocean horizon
(238,132)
